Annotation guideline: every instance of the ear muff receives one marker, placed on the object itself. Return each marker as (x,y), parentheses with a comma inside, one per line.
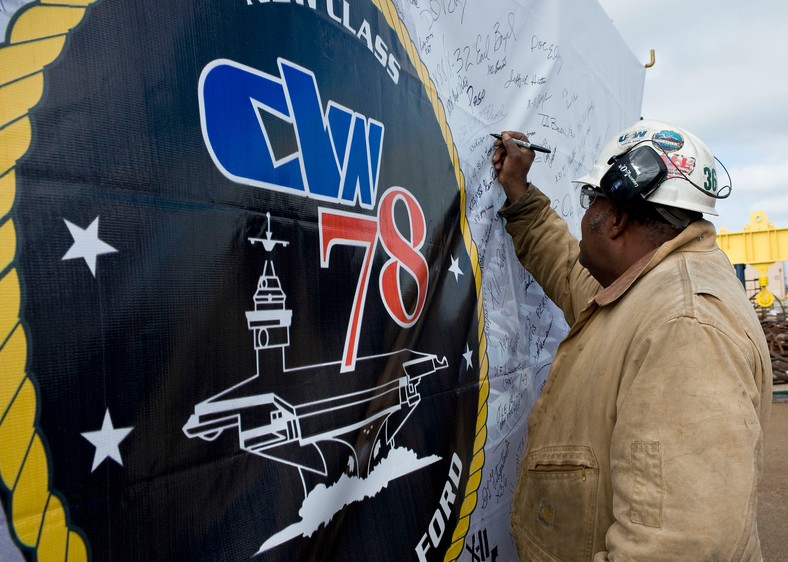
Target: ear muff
(633,175)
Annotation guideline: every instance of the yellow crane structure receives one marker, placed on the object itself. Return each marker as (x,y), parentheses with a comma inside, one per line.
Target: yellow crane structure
(760,245)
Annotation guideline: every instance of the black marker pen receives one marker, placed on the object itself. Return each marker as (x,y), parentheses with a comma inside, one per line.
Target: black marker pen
(523,144)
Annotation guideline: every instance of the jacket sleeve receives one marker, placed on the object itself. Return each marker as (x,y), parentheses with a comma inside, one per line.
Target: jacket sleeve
(549,252)
(686,451)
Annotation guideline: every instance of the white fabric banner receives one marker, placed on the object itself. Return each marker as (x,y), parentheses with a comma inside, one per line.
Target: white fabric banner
(561,73)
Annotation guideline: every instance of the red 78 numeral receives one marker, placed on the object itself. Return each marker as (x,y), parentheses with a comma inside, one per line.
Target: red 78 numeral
(352,229)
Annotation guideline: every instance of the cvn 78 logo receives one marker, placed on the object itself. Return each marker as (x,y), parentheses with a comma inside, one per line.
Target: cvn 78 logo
(338,160)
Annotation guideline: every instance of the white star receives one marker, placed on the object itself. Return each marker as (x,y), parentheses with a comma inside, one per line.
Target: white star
(106,441)
(455,268)
(468,355)
(87,244)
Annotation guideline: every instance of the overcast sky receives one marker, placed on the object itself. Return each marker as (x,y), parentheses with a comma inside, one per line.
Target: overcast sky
(721,72)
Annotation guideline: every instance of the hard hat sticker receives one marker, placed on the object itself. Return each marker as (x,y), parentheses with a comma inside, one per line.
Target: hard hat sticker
(632,137)
(668,140)
(679,165)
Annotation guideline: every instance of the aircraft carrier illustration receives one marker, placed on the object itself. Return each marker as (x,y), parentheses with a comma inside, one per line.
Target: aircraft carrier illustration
(357,427)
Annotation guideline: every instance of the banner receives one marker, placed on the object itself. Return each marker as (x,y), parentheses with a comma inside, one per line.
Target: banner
(256,299)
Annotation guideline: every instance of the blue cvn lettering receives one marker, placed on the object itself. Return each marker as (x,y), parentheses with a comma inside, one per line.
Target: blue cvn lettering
(339,150)
(230,97)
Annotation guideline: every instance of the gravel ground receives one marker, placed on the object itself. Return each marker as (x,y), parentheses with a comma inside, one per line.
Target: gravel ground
(773,496)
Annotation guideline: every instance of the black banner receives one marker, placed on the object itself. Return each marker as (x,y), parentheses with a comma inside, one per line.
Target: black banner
(245,291)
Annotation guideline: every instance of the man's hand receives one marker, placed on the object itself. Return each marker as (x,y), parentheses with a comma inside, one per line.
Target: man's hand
(512,164)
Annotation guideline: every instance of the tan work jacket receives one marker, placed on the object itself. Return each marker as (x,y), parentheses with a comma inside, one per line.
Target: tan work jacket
(646,442)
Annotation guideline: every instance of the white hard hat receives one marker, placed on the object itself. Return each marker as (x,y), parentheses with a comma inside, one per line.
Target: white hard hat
(689,161)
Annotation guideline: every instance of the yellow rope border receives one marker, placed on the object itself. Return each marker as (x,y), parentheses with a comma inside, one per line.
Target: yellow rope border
(38,517)
(477,462)
(37,514)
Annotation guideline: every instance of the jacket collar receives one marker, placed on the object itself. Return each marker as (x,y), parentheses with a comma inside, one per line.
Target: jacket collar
(699,236)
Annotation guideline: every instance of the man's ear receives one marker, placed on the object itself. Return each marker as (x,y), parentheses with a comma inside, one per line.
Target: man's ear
(620,222)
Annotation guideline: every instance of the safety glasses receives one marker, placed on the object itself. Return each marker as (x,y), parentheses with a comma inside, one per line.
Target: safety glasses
(588,195)
(633,176)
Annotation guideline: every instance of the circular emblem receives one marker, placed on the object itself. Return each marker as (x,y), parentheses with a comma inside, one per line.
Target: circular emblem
(670,141)
(244,335)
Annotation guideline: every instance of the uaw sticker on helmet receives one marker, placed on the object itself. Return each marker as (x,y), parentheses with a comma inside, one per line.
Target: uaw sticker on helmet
(678,165)
(247,299)
(632,137)
(669,140)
